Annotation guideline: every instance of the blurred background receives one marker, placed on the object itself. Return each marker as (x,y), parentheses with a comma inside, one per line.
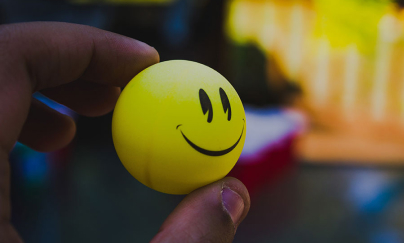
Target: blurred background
(322,82)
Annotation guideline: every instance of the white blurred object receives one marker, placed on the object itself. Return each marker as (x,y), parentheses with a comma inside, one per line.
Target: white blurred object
(268,126)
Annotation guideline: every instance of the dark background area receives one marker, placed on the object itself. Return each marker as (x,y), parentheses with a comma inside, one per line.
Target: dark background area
(83,193)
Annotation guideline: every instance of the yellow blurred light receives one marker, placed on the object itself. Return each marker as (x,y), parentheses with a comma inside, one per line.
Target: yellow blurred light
(345,22)
(347,55)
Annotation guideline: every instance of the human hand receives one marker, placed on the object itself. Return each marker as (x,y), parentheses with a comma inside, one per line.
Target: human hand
(82,68)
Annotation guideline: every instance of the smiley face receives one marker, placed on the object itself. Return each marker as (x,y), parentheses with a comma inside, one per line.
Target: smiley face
(178,125)
(206,105)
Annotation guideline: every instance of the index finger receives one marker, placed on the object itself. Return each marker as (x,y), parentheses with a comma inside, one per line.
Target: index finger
(34,56)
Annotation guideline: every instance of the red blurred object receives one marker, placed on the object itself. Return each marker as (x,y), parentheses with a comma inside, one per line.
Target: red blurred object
(268,152)
(266,168)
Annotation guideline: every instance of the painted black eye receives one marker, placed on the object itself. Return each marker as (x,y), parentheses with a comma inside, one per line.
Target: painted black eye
(225,103)
(206,104)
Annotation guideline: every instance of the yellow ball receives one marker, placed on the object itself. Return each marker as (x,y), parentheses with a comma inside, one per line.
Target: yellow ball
(178,125)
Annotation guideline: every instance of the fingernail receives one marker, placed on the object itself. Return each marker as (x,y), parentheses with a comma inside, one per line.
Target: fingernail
(233,204)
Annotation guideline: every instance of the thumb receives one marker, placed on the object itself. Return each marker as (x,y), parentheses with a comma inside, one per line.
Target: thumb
(208,214)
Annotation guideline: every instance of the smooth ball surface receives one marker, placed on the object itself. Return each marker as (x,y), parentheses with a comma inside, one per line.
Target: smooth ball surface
(178,125)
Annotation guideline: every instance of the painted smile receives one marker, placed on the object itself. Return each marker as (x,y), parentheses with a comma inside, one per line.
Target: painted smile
(212,152)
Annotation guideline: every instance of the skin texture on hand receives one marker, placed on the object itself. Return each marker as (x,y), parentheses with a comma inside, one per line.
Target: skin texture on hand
(82,68)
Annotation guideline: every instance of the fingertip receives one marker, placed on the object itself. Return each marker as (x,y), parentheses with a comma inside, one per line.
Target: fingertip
(152,53)
(211,213)
(235,199)
(134,56)
(233,204)
(156,55)
(148,54)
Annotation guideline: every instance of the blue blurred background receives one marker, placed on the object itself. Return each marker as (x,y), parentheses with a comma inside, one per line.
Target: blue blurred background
(308,183)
